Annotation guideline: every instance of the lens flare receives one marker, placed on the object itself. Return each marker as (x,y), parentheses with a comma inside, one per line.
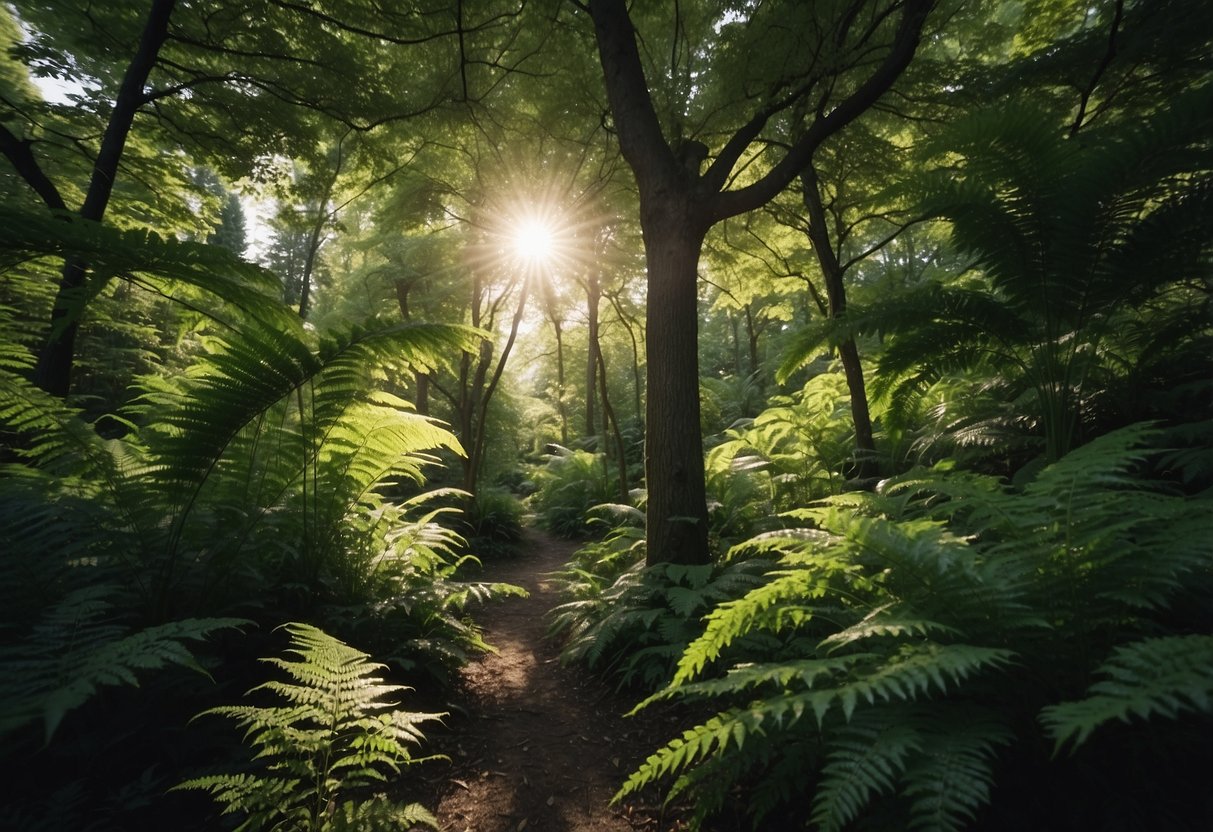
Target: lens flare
(534,241)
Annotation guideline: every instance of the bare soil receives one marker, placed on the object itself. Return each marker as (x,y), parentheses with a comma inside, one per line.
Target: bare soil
(542,747)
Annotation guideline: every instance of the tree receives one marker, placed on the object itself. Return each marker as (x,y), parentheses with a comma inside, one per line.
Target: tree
(226,83)
(680,202)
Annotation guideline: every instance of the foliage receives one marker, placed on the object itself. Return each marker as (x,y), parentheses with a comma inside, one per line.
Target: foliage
(1089,250)
(256,481)
(494,521)
(331,732)
(937,626)
(793,452)
(77,647)
(632,621)
(409,601)
(571,482)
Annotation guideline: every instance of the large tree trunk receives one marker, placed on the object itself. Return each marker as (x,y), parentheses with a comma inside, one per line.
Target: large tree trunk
(673,457)
(54,371)
(831,270)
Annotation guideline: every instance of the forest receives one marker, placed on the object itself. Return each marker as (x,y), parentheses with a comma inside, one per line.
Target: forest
(856,356)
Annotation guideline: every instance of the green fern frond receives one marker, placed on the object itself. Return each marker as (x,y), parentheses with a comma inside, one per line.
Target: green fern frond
(780,601)
(334,730)
(79,646)
(378,815)
(1156,677)
(142,256)
(864,760)
(951,777)
(881,623)
(728,728)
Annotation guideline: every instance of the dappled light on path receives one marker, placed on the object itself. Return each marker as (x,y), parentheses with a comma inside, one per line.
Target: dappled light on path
(542,747)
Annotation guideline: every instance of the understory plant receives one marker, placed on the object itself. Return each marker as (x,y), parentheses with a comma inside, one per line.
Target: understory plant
(253,484)
(1086,303)
(330,732)
(410,596)
(957,652)
(572,482)
(795,450)
(632,622)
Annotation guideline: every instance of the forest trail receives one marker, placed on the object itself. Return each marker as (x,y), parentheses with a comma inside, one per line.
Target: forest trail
(542,747)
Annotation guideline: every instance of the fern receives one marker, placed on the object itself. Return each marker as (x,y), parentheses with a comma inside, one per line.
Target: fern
(634,620)
(950,779)
(866,759)
(333,732)
(1153,677)
(77,647)
(920,612)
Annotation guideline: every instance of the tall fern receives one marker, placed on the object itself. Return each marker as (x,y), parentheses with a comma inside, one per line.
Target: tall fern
(915,639)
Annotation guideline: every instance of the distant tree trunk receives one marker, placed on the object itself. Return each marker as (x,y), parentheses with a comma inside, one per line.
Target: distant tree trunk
(831,269)
(561,407)
(54,370)
(637,384)
(593,294)
(608,418)
(477,444)
(422,400)
(735,329)
(752,332)
(421,380)
(316,232)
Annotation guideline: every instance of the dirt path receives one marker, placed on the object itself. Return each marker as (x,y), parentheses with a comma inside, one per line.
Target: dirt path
(543,747)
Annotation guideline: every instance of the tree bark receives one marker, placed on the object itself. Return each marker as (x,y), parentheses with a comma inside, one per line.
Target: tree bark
(677,515)
(608,418)
(848,353)
(593,294)
(476,450)
(561,407)
(54,370)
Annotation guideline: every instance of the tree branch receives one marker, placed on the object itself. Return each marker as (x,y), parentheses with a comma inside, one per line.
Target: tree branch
(1109,55)
(18,152)
(905,43)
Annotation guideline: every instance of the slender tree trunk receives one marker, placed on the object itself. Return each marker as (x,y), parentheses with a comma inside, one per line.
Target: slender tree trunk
(421,380)
(752,332)
(608,418)
(476,451)
(54,370)
(315,234)
(593,294)
(422,401)
(561,407)
(637,384)
(831,270)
